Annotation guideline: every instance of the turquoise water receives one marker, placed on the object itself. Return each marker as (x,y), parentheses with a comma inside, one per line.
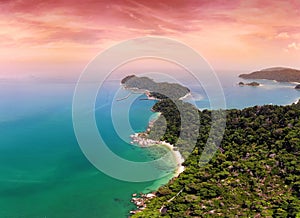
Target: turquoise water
(43,172)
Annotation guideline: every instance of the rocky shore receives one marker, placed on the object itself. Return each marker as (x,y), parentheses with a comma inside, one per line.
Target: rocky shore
(141,140)
(140,201)
(149,87)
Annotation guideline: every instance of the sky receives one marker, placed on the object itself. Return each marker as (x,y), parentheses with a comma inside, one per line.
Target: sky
(59,38)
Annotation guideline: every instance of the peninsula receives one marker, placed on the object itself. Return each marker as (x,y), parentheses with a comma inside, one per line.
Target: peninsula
(160,132)
(255,172)
(280,74)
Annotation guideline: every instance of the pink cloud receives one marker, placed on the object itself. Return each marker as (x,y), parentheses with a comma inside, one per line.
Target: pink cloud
(221,29)
(294,45)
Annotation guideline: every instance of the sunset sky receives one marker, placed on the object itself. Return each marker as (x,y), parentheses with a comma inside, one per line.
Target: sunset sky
(58,38)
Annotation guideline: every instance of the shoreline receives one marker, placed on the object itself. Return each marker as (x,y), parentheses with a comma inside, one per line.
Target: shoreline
(178,158)
(187,96)
(140,139)
(140,200)
(295,102)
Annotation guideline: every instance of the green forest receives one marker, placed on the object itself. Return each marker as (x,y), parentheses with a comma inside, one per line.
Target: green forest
(159,90)
(255,171)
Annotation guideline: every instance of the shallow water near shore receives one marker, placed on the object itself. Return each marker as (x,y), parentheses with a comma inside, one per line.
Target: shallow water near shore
(43,172)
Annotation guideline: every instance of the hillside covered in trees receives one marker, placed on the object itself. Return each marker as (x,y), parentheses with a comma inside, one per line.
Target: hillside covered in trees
(255,172)
(280,74)
(159,90)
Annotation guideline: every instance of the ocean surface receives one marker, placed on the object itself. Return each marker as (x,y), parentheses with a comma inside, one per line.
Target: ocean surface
(43,172)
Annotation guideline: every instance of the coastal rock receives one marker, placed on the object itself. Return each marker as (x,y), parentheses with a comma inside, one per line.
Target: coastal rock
(297,87)
(150,195)
(142,140)
(140,201)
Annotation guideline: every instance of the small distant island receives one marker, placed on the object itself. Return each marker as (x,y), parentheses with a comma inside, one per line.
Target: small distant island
(280,74)
(249,84)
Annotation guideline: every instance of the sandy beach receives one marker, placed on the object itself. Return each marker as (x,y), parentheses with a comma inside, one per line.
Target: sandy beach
(177,155)
(139,139)
(188,95)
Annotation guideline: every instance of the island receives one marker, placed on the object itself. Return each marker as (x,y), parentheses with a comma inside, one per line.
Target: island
(280,74)
(158,90)
(249,84)
(255,172)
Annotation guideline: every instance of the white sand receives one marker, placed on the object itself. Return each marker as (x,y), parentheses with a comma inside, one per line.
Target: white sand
(188,95)
(178,157)
(143,142)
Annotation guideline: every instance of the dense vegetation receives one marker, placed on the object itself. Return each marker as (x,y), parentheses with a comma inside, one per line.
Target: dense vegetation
(279,74)
(255,173)
(160,90)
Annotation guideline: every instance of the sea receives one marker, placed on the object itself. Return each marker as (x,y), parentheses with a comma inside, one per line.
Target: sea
(45,174)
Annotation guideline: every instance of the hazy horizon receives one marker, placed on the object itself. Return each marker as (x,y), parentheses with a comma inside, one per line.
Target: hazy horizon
(58,39)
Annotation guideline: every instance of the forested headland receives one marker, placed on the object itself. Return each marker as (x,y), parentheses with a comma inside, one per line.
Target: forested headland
(254,173)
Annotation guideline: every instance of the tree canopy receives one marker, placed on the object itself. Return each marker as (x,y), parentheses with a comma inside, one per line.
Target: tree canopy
(256,173)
